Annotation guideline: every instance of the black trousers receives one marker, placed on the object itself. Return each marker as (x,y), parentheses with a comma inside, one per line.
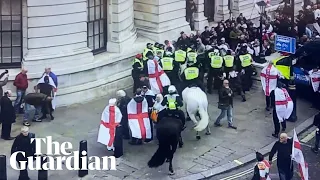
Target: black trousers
(23,173)
(125,127)
(46,109)
(6,130)
(213,75)
(276,122)
(118,142)
(270,100)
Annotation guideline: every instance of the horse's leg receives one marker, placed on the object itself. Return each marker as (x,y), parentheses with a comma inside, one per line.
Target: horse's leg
(208,130)
(180,141)
(193,118)
(198,136)
(173,150)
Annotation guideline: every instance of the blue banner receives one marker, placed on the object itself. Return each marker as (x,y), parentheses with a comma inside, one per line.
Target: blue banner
(300,77)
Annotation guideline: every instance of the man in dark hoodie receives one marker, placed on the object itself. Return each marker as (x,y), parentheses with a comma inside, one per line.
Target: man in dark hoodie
(7,115)
(23,143)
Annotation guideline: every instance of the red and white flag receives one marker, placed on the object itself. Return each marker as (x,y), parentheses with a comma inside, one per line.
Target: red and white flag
(110,119)
(297,156)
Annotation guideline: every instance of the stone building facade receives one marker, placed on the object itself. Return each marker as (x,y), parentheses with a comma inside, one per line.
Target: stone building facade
(89,44)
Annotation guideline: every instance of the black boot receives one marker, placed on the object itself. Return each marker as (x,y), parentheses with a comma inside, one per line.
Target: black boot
(51,117)
(43,117)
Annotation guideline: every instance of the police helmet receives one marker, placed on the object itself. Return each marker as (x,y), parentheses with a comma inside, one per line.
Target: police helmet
(149,44)
(172,89)
(156,44)
(216,52)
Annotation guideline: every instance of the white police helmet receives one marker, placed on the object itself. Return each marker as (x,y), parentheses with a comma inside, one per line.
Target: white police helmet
(172,89)
(216,52)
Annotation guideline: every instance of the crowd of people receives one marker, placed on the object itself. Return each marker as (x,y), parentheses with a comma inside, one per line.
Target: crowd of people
(220,58)
(42,100)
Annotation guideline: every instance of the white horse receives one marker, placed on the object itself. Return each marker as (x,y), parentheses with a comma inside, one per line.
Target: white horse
(196,101)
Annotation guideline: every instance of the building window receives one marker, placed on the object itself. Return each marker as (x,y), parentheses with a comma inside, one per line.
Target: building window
(97,25)
(10,33)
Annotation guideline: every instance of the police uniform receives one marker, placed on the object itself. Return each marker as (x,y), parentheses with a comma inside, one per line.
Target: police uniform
(245,61)
(190,77)
(137,72)
(180,56)
(173,102)
(171,68)
(228,64)
(215,71)
(149,48)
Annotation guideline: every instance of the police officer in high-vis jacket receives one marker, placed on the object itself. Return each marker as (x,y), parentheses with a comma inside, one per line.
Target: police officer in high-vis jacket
(215,70)
(180,55)
(149,48)
(190,76)
(228,62)
(246,69)
(160,51)
(137,71)
(170,67)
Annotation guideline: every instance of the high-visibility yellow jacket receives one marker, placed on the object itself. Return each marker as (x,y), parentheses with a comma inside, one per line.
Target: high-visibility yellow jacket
(283,65)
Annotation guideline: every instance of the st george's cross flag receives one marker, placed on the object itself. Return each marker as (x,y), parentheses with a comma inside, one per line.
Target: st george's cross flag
(51,82)
(297,156)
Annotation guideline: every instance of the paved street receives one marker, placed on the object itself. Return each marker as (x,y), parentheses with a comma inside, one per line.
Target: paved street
(222,146)
(307,141)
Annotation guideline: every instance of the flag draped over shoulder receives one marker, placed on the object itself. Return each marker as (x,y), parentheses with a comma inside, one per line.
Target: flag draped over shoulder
(51,82)
(297,156)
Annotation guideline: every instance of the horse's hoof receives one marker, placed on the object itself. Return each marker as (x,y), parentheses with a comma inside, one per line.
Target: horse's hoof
(198,137)
(208,133)
(171,173)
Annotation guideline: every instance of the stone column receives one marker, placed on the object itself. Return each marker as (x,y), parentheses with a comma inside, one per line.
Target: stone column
(200,21)
(122,29)
(160,19)
(56,35)
(223,12)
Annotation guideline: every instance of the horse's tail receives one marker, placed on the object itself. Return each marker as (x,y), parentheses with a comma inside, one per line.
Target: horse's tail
(204,121)
(161,154)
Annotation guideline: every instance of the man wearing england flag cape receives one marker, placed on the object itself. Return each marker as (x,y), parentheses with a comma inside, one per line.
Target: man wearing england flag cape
(314,75)
(298,157)
(157,77)
(109,130)
(283,109)
(269,77)
(138,119)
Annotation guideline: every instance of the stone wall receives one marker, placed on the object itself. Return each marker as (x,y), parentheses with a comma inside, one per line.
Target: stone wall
(121,25)
(160,19)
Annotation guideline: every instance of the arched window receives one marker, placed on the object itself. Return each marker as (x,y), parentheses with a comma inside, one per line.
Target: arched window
(97,25)
(10,33)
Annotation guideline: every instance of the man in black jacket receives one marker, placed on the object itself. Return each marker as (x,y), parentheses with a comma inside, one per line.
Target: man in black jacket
(7,115)
(225,105)
(283,148)
(23,143)
(122,103)
(36,100)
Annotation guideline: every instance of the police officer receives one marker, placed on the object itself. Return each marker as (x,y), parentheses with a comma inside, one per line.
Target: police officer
(190,76)
(215,71)
(180,55)
(137,71)
(228,62)
(170,67)
(246,69)
(173,102)
(149,48)
(160,51)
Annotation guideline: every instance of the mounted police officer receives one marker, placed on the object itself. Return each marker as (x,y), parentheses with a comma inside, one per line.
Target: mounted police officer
(190,76)
(215,71)
(173,103)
